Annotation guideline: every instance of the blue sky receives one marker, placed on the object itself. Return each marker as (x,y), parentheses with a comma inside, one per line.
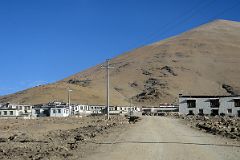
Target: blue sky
(42,41)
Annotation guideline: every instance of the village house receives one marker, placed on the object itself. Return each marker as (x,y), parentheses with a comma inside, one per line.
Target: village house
(123,110)
(80,109)
(84,110)
(59,111)
(40,111)
(52,109)
(8,113)
(15,110)
(97,109)
(209,105)
(160,110)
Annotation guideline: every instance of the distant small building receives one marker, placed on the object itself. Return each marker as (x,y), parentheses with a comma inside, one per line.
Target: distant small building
(15,110)
(8,112)
(40,111)
(209,105)
(159,110)
(97,109)
(59,111)
(123,110)
(81,109)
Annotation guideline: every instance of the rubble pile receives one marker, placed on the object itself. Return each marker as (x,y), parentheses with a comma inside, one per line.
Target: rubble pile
(153,89)
(56,144)
(83,83)
(225,126)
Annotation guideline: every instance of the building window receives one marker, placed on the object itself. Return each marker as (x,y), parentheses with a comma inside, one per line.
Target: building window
(190,112)
(5,113)
(59,110)
(200,112)
(11,113)
(214,112)
(214,103)
(191,103)
(54,110)
(0,113)
(20,107)
(37,111)
(237,102)
(229,110)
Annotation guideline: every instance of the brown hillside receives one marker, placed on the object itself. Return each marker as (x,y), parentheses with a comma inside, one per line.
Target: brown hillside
(205,60)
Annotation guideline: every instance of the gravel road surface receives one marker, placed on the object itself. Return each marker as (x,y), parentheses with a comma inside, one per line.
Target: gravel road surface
(167,139)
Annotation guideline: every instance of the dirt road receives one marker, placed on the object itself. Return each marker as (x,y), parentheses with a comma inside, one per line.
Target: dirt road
(166,139)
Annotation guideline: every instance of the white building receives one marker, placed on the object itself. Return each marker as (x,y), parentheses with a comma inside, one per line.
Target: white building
(162,108)
(8,112)
(81,110)
(40,111)
(124,110)
(59,111)
(209,105)
(16,110)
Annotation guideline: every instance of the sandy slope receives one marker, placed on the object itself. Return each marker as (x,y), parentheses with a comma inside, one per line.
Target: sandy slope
(199,61)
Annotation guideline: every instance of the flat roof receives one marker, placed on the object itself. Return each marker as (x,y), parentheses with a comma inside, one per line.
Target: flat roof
(11,109)
(207,96)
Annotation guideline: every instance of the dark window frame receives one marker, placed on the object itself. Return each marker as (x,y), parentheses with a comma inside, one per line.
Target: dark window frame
(37,111)
(214,112)
(200,111)
(229,110)
(214,103)
(190,112)
(237,102)
(191,103)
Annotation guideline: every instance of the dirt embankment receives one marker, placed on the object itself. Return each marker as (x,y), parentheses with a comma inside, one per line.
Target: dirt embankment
(50,142)
(222,125)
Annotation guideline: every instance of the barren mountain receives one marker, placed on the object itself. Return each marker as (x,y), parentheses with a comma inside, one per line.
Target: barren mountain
(202,61)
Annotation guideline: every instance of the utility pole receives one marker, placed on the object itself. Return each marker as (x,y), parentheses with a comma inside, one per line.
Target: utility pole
(69,101)
(107,67)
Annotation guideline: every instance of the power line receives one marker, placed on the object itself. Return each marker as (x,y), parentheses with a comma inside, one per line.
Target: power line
(193,10)
(220,13)
(179,23)
(225,10)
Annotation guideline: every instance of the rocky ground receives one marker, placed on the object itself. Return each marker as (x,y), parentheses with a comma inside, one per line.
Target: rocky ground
(54,138)
(221,125)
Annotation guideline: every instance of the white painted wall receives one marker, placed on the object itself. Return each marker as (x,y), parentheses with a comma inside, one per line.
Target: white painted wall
(204,103)
(59,112)
(8,113)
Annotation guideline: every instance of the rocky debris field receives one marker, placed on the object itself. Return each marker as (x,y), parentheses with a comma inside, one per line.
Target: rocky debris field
(221,125)
(153,89)
(47,141)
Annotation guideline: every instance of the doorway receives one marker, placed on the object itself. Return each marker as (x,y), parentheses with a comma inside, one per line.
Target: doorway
(214,112)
